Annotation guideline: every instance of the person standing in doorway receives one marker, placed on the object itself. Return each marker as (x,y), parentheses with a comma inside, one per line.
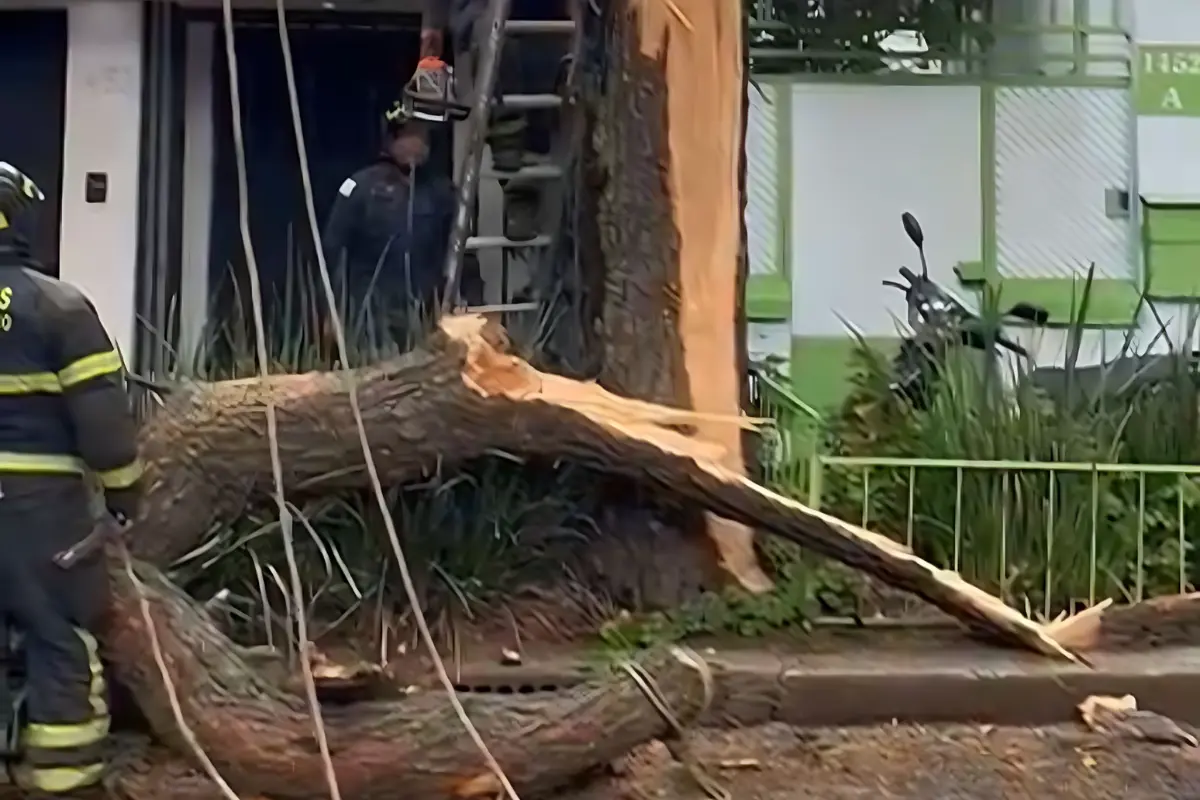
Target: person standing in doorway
(386,236)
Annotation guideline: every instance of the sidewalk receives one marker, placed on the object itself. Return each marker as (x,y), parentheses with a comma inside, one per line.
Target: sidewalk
(874,678)
(906,762)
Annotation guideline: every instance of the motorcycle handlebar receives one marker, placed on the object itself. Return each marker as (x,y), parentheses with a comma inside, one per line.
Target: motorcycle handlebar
(908,275)
(1009,344)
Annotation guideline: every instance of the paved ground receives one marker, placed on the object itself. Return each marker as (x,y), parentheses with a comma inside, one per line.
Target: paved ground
(904,762)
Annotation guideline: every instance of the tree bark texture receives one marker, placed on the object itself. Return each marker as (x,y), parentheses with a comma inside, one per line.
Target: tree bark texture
(261,737)
(1170,621)
(668,129)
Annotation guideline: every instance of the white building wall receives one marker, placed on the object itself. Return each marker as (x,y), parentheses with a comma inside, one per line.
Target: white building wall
(862,155)
(102,132)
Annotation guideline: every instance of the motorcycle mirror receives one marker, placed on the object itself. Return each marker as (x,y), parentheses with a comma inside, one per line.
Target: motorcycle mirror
(913,229)
(1030,313)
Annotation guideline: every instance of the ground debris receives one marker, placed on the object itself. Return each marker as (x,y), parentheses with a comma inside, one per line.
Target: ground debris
(909,762)
(1120,716)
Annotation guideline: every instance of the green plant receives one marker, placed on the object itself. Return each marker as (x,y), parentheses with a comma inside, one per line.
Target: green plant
(475,538)
(1046,540)
(800,583)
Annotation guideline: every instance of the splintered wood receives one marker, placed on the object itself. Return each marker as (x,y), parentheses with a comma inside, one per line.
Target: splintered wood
(699,44)
(703,473)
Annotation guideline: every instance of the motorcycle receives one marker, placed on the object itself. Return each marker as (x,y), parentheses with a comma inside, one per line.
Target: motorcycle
(940,322)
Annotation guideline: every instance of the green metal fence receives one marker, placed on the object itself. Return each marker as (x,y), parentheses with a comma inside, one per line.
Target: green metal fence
(787,446)
(1047,537)
(1054,37)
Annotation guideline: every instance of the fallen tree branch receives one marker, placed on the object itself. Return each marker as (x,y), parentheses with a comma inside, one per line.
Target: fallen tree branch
(260,736)
(1173,620)
(460,397)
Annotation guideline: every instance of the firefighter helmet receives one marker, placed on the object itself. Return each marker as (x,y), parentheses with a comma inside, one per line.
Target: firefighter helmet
(18,194)
(432,93)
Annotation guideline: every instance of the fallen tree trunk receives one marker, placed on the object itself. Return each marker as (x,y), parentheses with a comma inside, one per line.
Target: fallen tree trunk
(459,397)
(1168,621)
(261,737)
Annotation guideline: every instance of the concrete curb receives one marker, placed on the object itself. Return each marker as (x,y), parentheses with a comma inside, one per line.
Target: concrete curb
(961,685)
(976,685)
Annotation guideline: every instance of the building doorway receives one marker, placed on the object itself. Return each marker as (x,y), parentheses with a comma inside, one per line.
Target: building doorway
(349,70)
(33,51)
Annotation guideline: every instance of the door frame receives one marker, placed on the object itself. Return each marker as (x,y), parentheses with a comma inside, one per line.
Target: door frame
(203,44)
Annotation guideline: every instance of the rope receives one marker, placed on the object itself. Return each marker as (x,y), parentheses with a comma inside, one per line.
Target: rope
(352,388)
(260,346)
(185,730)
(676,739)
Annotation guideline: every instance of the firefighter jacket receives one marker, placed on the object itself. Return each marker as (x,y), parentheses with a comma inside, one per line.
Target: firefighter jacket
(64,409)
(380,244)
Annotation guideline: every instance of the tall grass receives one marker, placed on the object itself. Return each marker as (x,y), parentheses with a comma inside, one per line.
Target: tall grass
(1046,541)
(475,537)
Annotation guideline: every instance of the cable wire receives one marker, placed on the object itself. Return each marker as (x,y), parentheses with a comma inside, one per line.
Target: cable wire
(260,345)
(352,388)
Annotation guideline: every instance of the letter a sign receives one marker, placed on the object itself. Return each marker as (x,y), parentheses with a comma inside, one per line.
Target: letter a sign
(1168,80)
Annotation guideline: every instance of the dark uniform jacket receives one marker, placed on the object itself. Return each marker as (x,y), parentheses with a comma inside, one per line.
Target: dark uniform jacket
(368,242)
(64,410)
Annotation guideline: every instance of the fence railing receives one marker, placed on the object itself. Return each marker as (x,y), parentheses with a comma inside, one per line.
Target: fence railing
(1056,38)
(1047,537)
(787,447)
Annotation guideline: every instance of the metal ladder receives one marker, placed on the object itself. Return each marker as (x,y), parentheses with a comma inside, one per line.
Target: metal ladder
(554,174)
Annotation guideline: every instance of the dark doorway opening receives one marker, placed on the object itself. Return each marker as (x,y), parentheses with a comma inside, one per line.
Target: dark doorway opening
(349,70)
(33,51)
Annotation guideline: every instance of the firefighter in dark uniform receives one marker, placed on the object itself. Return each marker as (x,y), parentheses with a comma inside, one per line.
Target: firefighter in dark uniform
(386,236)
(65,418)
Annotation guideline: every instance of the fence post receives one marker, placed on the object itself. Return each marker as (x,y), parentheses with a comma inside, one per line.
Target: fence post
(816,475)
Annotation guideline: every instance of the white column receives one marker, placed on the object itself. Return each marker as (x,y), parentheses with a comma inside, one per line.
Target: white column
(102,134)
(197,188)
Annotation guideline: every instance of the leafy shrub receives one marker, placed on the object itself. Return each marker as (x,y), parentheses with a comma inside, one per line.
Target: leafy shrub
(1047,540)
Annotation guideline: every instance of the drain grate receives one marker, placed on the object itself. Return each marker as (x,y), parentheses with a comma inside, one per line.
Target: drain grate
(509,688)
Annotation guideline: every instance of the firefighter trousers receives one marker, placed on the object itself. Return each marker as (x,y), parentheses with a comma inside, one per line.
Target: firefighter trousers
(66,719)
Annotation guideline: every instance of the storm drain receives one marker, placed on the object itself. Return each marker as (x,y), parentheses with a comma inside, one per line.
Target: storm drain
(486,687)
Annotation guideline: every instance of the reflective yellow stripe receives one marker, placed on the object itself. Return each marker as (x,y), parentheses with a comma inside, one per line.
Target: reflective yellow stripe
(63,737)
(86,368)
(42,464)
(30,383)
(60,779)
(97,687)
(121,477)
(89,367)
(47,736)
(3,221)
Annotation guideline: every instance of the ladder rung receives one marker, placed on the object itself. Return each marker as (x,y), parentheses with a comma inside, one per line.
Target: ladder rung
(539,26)
(504,307)
(531,102)
(494,242)
(544,172)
